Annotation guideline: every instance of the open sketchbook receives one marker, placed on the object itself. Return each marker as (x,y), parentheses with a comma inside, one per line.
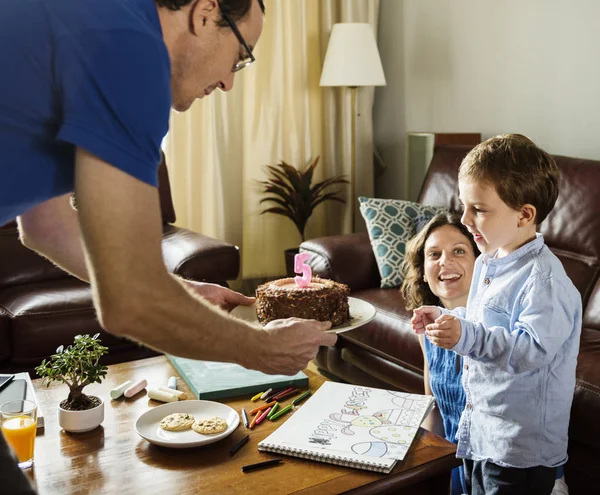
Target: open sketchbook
(352,426)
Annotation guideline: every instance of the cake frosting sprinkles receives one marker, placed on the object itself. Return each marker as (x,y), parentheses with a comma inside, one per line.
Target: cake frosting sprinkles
(321,299)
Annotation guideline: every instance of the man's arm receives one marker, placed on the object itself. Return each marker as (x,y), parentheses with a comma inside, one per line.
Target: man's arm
(52,229)
(136,297)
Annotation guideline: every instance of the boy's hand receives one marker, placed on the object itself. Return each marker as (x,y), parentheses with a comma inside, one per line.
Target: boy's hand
(423,316)
(444,332)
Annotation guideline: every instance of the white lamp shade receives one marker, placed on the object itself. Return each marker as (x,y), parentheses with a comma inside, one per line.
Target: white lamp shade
(352,58)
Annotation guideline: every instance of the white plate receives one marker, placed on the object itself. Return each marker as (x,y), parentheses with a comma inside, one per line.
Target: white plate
(361,312)
(148,424)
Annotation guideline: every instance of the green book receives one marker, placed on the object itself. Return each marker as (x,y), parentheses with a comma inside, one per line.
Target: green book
(211,380)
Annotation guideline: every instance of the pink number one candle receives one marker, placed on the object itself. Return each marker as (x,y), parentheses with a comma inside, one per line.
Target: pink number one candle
(301,267)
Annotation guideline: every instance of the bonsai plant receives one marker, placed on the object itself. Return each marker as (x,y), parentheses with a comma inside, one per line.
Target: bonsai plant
(291,193)
(77,366)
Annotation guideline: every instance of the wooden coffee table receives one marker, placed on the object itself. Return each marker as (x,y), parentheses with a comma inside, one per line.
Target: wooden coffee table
(114,459)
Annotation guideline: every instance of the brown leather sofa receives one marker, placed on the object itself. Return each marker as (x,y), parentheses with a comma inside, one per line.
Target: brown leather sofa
(42,307)
(386,353)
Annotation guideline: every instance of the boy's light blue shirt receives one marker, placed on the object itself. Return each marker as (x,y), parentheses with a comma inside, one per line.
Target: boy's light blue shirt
(520,340)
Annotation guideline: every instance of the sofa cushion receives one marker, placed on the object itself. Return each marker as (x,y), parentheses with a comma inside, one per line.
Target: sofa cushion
(391,223)
(20,265)
(198,257)
(43,316)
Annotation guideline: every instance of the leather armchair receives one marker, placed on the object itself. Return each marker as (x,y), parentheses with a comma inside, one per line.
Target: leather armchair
(42,307)
(386,353)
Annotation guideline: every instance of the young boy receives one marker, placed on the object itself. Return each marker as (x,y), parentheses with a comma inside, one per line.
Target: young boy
(519,333)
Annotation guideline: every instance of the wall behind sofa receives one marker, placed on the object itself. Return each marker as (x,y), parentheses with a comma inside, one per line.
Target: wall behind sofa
(528,66)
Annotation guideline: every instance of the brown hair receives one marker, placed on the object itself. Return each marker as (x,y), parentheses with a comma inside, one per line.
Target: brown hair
(521,172)
(235,9)
(415,290)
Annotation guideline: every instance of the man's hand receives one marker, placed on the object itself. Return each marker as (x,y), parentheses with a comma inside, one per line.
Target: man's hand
(423,316)
(223,297)
(444,332)
(290,344)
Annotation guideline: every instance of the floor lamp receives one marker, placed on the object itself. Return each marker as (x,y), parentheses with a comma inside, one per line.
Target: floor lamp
(352,60)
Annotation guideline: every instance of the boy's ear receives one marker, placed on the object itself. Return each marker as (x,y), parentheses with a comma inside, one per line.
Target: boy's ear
(527,216)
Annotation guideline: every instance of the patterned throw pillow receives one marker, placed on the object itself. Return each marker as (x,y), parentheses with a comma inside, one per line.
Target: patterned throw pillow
(391,223)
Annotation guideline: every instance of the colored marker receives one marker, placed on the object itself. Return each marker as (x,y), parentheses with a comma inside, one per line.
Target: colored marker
(273,393)
(253,422)
(266,394)
(287,394)
(273,410)
(263,416)
(245,418)
(262,408)
(172,382)
(297,400)
(281,413)
(285,391)
(256,397)
(260,465)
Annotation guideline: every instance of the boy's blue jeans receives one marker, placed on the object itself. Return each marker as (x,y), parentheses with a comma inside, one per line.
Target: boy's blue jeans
(487,478)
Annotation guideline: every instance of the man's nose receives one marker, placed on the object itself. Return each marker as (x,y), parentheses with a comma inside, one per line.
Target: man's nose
(226,83)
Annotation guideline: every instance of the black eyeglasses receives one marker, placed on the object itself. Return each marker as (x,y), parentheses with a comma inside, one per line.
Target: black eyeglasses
(249,58)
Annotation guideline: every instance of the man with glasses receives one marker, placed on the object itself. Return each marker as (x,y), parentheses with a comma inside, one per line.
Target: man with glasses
(85,96)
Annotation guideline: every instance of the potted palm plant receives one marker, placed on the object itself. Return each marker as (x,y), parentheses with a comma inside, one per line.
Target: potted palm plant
(291,193)
(77,366)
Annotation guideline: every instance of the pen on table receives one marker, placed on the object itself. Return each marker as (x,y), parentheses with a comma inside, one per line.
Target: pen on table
(281,413)
(260,465)
(239,445)
(262,416)
(245,418)
(297,400)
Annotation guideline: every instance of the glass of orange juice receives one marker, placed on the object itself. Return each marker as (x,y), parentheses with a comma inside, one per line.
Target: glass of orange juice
(19,422)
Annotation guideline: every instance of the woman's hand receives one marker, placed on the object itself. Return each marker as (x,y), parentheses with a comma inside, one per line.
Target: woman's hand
(423,316)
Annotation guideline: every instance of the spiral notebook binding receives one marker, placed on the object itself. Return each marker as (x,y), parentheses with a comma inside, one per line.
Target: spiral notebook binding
(325,456)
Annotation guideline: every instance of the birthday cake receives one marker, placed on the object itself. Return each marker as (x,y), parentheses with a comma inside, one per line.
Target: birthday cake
(321,299)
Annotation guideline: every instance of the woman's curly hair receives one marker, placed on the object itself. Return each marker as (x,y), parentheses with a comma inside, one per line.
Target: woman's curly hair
(415,290)
(235,9)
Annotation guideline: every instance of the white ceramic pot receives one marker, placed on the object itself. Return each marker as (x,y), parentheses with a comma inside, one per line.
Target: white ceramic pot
(80,421)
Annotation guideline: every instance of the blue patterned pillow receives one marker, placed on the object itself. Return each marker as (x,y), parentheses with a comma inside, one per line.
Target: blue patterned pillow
(391,223)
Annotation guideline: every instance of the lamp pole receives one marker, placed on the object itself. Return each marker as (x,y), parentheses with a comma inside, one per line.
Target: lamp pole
(353,152)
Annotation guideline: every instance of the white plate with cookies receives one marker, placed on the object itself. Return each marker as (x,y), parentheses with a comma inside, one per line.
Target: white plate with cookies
(187,423)
(361,312)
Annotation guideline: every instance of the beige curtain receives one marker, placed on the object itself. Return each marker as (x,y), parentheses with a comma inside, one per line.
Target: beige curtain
(218,149)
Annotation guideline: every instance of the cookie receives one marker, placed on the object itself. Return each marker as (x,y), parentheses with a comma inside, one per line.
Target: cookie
(177,422)
(210,426)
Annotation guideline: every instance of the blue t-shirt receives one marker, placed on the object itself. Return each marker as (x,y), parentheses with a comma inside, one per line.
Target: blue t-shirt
(93,74)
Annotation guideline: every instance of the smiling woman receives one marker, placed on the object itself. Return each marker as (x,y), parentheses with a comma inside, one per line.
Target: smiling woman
(438,267)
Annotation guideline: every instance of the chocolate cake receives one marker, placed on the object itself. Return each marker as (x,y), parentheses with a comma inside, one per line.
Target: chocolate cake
(322,299)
